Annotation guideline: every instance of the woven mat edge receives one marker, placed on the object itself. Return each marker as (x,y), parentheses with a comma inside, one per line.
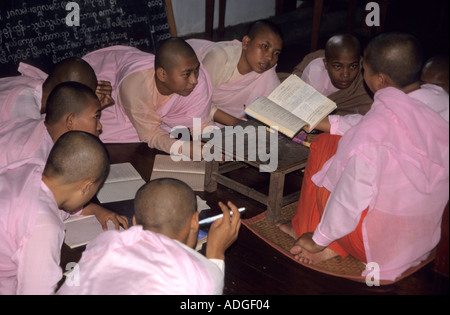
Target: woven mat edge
(361,278)
(262,216)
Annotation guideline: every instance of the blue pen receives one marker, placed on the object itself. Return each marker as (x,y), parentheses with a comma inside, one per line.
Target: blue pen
(216,217)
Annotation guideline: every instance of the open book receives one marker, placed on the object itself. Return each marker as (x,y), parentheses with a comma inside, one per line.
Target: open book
(292,106)
(190,172)
(122,183)
(80,230)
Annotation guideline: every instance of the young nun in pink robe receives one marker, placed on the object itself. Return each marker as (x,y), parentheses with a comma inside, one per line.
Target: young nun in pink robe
(34,201)
(26,95)
(336,73)
(149,103)
(431,95)
(24,138)
(240,72)
(157,256)
(381,195)
(70,106)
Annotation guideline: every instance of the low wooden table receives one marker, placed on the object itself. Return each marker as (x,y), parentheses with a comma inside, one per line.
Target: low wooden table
(291,157)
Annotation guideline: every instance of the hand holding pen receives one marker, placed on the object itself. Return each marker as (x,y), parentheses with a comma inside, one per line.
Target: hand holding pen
(223,232)
(216,217)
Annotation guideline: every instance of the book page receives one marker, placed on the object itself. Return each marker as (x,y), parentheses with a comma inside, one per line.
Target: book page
(195,181)
(119,191)
(122,172)
(201,204)
(81,230)
(288,94)
(165,163)
(302,100)
(121,184)
(268,112)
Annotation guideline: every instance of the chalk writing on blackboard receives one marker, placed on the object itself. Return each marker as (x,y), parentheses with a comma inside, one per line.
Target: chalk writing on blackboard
(37,32)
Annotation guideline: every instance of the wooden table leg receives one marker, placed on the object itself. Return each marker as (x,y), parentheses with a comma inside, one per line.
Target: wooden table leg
(275,198)
(211,168)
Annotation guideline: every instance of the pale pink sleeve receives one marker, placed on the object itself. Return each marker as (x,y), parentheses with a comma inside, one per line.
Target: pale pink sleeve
(341,124)
(31,71)
(217,272)
(214,62)
(308,75)
(135,99)
(39,271)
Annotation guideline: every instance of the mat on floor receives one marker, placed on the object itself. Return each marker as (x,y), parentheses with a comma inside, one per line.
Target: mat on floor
(348,267)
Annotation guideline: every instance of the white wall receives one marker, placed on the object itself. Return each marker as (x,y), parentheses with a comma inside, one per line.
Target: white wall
(190,14)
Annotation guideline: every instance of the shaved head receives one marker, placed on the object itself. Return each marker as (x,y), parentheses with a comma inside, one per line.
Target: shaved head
(435,71)
(170,52)
(342,43)
(77,156)
(72,69)
(165,205)
(398,55)
(264,26)
(68,97)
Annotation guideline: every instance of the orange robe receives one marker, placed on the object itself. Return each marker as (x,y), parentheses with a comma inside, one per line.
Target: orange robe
(313,199)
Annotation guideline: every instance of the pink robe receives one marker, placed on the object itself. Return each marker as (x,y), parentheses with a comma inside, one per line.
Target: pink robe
(396,162)
(435,97)
(114,64)
(233,96)
(431,95)
(11,89)
(137,261)
(316,75)
(23,138)
(31,231)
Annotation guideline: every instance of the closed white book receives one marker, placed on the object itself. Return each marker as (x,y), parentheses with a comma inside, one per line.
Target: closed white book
(190,172)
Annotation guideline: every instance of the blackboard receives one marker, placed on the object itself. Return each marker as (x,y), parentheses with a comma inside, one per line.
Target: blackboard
(44,32)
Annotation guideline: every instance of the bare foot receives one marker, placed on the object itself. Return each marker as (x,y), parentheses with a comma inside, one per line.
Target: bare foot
(288,229)
(302,255)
